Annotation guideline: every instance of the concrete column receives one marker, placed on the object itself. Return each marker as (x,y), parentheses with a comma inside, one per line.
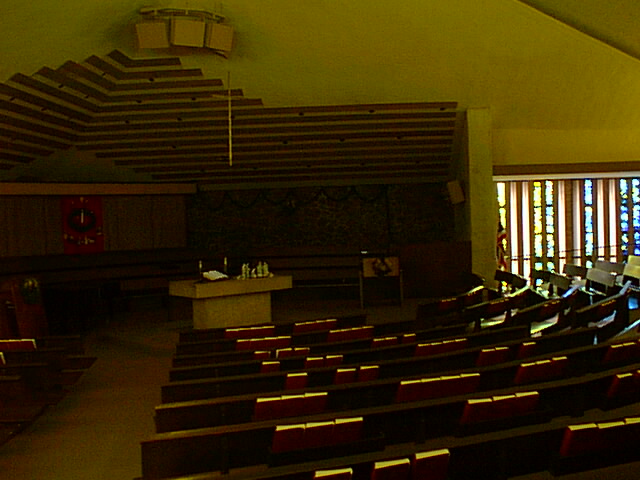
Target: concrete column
(481,194)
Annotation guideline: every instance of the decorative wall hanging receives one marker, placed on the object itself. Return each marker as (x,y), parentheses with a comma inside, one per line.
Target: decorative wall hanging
(82,225)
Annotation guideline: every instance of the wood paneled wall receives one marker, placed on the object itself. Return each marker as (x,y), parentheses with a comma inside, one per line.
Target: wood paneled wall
(32,225)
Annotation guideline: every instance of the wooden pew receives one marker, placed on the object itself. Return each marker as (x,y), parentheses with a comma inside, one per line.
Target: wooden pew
(575,271)
(611,267)
(63,357)
(509,282)
(322,348)
(611,314)
(336,397)
(211,334)
(244,445)
(426,311)
(474,314)
(294,339)
(557,306)
(467,358)
(19,404)
(596,444)
(358,355)
(499,454)
(243,408)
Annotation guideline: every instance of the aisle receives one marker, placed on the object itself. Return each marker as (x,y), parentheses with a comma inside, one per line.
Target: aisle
(95,431)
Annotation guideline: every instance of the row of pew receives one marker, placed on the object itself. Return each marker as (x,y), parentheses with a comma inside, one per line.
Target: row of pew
(36,373)
(440,397)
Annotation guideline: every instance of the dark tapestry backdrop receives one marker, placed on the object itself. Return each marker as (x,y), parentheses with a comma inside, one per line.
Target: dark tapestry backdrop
(366,217)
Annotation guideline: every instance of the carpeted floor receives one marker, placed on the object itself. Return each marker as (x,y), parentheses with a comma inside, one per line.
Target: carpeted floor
(95,431)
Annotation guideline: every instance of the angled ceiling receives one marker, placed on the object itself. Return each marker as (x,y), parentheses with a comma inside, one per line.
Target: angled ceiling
(612,22)
(332,92)
(158,120)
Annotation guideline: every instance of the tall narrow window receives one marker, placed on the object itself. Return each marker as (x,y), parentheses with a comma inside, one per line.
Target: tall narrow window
(635,201)
(624,216)
(552,223)
(588,223)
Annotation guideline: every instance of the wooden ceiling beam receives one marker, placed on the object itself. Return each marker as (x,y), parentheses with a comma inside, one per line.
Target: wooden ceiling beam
(33,140)
(407,164)
(38,87)
(76,70)
(34,128)
(147,140)
(246,145)
(119,57)
(37,116)
(140,71)
(291,173)
(12,146)
(5,156)
(221,160)
(156,119)
(371,108)
(424,150)
(384,177)
(286,134)
(114,113)
(148,95)
(45,105)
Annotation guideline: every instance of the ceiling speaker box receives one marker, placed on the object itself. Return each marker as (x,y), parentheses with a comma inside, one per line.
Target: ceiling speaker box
(187,31)
(152,34)
(219,37)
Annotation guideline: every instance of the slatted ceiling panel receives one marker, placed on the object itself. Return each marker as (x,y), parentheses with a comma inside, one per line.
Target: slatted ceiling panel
(292,147)
(119,57)
(220,162)
(158,120)
(56,93)
(169,90)
(266,160)
(7,145)
(300,174)
(22,138)
(219,126)
(43,104)
(30,112)
(180,162)
(288,179)
(15,158)
(112,113)
(264,148)
(38,128)
(100,79)
(140,70)
(273,139)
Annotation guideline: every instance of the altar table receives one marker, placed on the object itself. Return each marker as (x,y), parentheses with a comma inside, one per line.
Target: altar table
(230,302)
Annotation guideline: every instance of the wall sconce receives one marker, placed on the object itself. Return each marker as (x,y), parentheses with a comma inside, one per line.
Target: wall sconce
(167,27)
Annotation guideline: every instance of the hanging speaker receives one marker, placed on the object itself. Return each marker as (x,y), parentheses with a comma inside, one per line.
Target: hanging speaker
(456,195)
(219,37)
(152,34)
(187,31)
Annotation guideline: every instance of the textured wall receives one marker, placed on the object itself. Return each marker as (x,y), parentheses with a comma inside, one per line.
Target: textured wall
(369,217)
(32,225)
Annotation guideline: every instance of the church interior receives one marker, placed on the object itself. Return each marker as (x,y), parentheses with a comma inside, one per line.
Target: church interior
(258,241)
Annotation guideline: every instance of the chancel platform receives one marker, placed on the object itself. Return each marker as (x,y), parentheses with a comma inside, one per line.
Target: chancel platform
(230,302)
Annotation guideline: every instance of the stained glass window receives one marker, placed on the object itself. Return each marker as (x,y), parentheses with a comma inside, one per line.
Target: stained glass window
(624,216)
(588,221)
